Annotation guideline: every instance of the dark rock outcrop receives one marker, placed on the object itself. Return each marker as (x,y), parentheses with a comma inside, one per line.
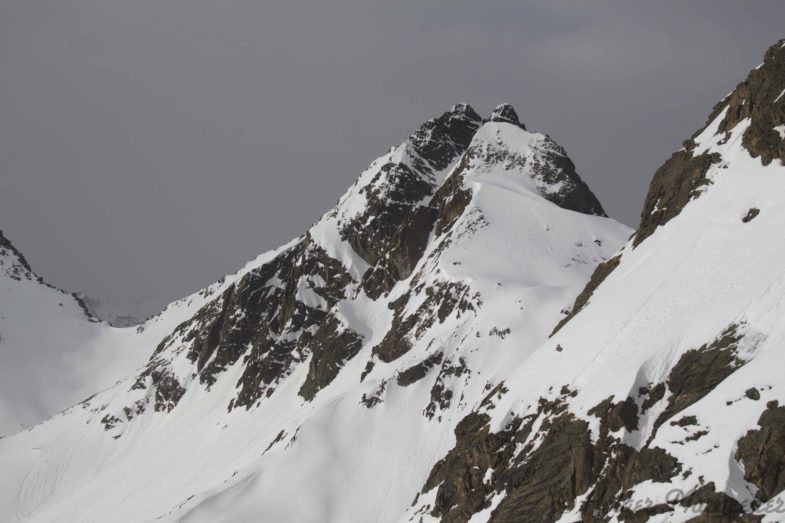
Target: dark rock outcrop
(391,233)
(540,464)
(674,184)
(762,452)
(506,113)
(417,372)
(751,215)
(331,347)
(441,300)
(273,317)
(699,370)
(759,98)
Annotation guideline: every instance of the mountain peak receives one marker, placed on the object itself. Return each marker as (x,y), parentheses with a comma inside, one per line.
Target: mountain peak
(464,109)
(506,113)
(12,262)
(504,147)
(439,140)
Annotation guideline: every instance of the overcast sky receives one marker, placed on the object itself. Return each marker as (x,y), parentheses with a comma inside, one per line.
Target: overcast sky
(148,147)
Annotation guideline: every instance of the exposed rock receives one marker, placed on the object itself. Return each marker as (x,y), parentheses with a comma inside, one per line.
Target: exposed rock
(367,370)
(762,452)
(626,468)
(506,113)
(623,414)
(332,346)
(168,389)
(392,232)
(273,318)
(441,140)
(540,469)
(751,214)
(698,371)
(547,482)
(686,421)
(441,392)
(459,475)
(546,163)
(370,401)
(759,98)
(654,394)
(417,372)
(674,184)
(441,300)
(752,394)
(452,198)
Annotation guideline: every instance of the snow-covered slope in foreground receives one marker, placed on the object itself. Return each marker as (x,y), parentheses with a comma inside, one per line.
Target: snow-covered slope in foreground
(324,382)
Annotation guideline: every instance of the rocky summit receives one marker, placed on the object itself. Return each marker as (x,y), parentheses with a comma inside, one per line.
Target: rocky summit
(465,336)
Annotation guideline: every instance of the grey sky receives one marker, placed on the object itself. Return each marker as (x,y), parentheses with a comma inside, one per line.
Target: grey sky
(148,147)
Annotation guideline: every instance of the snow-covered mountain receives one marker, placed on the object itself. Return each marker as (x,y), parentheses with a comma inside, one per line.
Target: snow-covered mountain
(431,350)
(660,396)
(354,348)
(54,352)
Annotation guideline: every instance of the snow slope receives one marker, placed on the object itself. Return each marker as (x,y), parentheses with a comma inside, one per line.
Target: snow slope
(323,382)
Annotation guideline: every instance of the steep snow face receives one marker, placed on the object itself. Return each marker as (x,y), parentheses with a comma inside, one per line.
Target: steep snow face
(324,381)
(661,398)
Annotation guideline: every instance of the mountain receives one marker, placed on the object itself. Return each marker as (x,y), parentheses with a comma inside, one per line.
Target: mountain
(465,336)
(53,350)
(336,366)
(660,396)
